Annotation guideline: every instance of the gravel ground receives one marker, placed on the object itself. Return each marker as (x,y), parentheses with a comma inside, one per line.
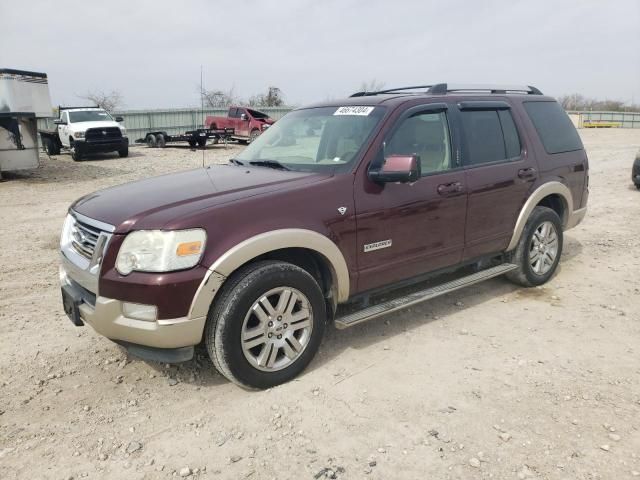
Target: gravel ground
(493,381)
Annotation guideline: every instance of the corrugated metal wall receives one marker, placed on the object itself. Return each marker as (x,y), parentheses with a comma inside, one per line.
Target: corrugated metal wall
(178,120)
(173,121)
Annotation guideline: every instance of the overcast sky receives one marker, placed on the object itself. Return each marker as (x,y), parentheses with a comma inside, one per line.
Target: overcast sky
(151,51)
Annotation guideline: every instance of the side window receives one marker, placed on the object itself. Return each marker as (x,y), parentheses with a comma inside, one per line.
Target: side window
(64,117)
(553,126)
(491,136)
(510,132)
(233,113)
(426,135)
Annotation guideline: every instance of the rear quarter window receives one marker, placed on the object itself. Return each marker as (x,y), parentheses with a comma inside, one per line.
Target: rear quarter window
(555,129)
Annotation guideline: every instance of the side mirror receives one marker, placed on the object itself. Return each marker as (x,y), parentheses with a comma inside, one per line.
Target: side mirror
(243,116)
(119,119)
(397,168)
(59,122)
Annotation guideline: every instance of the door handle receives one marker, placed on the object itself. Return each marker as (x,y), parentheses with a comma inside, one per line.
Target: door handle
(527,172)
(449,188)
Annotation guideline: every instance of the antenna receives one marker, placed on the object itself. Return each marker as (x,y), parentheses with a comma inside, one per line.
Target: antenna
(202,111)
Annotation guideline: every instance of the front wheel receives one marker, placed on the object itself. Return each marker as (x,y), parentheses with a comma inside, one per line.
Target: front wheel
(76,155)
(124,152)
(539,249)
(266,325)
(254,134)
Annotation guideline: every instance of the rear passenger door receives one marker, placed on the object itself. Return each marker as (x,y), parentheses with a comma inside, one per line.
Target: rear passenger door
(499,172)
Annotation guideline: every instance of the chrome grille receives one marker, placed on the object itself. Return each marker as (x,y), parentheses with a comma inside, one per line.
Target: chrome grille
(84,238)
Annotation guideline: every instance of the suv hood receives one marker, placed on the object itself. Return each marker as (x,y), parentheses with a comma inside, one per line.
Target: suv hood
(83,126)
(153,202)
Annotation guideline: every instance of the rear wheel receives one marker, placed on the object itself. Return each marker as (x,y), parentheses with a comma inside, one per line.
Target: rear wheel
(539,249)
(202,141)
(51,147)
(161,141)
(192,143)
(266,325)
(151,141)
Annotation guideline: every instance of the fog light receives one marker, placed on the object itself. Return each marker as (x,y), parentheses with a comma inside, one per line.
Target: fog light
(139,311)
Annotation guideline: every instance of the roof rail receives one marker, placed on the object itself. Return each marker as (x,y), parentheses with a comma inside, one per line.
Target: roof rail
(389,90)
(60,107)
(443,89)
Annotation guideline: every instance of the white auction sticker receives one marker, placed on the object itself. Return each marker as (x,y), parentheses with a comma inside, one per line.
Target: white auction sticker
(354,110)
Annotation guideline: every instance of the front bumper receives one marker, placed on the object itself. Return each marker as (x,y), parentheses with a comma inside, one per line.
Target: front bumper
(101,146)
(106,316)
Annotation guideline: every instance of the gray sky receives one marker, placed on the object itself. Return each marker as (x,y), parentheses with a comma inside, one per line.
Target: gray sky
(151,51)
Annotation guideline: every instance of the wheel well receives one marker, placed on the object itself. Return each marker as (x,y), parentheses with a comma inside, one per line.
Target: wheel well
(306,259)
(556,203)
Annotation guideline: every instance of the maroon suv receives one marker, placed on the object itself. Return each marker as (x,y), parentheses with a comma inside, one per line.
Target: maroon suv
(340,212)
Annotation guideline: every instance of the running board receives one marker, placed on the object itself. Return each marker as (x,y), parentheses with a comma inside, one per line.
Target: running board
(399,303)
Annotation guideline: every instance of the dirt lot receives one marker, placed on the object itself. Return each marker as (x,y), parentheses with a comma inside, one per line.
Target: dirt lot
(490,382)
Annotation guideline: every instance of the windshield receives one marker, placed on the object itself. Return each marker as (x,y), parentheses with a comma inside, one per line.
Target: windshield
(89,116)
(315,139)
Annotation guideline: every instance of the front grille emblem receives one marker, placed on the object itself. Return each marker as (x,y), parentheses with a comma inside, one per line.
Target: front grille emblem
(104,132)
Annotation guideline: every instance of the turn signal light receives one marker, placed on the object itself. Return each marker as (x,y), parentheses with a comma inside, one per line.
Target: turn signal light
(188,248)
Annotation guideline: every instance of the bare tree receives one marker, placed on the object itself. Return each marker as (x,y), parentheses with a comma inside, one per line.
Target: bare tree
(371,86)
(273,98)
(110,101)
(219,98)
(575,101)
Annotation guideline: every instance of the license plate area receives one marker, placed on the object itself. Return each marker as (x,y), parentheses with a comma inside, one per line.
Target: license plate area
(71,300)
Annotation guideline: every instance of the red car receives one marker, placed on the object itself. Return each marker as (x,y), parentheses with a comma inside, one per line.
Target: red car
(338,214)
(247,123)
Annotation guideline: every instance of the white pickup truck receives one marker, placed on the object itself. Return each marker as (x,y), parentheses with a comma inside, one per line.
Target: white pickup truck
(85,130)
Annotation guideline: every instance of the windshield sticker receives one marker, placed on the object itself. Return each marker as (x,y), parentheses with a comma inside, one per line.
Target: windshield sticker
(355,110)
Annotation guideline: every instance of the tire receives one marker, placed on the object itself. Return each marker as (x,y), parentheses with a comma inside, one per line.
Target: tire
(76,155)
(253,135)
(124,152)
(202,142)
(233,313)
(192,143)
(531,272)
(161,141)
(151,140)
(51,148)
(637,185)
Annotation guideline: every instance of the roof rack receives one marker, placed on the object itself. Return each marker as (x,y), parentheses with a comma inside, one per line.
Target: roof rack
(60,107)
(443,89)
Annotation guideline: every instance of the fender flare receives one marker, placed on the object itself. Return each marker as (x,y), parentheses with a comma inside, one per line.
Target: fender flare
(267,242)
(538,194)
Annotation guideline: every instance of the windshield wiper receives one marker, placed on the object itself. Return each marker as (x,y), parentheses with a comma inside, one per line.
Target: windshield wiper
(235,161)
(269,163)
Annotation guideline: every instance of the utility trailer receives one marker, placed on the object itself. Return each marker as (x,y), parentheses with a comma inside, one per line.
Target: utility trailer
(198,137)
(24,97)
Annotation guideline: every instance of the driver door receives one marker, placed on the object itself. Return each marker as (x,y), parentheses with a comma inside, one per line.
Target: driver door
(408,229)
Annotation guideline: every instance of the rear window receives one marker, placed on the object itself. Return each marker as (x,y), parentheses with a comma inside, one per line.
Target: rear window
(554,127)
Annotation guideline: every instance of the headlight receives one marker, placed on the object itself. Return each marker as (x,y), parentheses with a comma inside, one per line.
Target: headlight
(65,237)
(160,251)
(123,131)
(265,126)
(78,135)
